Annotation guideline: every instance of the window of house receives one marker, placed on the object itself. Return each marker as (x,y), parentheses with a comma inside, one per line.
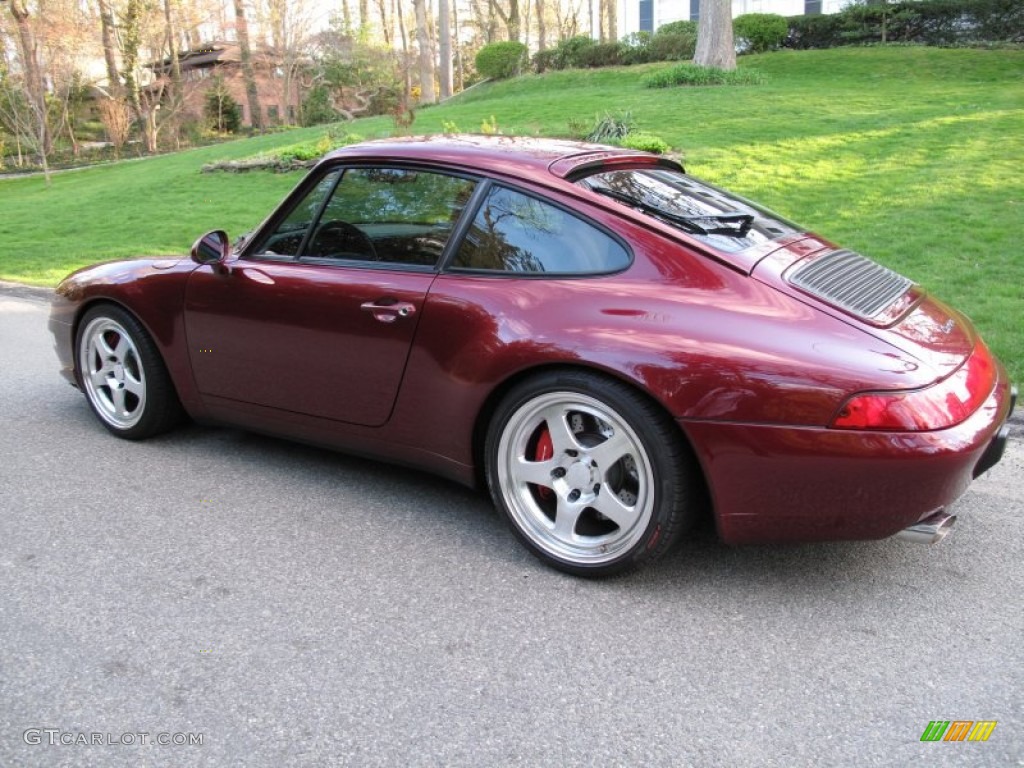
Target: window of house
(646,11)
(812,7)
(272,112)
(514,232)
(694,10)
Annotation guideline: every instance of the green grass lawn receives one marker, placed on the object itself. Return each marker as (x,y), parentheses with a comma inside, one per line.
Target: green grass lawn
(914,156)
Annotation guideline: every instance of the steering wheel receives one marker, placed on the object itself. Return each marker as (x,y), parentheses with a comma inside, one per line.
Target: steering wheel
(339,239)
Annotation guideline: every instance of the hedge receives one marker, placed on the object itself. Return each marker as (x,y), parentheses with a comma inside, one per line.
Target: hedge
(927,22)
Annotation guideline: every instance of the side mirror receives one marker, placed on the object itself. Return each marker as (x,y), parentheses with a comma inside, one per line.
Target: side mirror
(212,248)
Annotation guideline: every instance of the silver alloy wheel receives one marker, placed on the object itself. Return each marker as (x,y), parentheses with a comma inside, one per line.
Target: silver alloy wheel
(592,500)
(112,373)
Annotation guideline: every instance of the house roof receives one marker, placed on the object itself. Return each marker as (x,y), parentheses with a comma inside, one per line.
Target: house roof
(207,55)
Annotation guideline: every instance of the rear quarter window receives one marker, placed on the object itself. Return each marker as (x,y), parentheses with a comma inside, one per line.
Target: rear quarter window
(518,233)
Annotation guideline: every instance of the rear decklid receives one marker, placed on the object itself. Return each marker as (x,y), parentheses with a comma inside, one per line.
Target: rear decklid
(887,305)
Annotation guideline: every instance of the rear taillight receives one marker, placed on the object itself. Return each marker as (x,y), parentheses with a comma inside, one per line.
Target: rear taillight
(943,404)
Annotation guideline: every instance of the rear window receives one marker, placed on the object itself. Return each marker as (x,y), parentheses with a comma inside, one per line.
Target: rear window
(721,219)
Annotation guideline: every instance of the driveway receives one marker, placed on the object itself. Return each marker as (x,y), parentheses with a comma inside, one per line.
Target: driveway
(290,606)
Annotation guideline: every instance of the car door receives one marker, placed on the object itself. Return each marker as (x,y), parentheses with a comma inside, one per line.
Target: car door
(318,315)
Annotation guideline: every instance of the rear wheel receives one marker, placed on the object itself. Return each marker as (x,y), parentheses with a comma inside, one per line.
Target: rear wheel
(594,478)
(123,376)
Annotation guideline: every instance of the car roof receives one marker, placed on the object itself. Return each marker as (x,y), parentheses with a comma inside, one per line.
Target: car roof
(515,155)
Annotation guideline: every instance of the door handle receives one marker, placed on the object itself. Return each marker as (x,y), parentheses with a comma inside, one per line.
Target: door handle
(388,313)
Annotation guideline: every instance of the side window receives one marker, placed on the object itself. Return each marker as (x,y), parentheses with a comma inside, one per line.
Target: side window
(287,238)
(391,215)
(513,232)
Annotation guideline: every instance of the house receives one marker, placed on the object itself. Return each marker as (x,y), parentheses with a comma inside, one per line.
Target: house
(648,15)
(279,96)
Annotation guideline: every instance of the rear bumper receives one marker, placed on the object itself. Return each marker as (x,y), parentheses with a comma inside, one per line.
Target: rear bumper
(997,447)
(790,484)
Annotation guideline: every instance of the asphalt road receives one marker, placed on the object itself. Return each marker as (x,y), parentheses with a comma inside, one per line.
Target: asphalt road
(291,606)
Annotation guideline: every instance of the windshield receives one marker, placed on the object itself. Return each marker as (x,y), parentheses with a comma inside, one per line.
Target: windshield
(711,215)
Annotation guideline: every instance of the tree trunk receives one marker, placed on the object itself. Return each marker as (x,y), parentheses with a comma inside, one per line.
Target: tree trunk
(346,17)
(715,47)
(445,47)
(542,29)
(251,94)
(460,83)
(174,93)
(426,64)
(33,79)
(130,41)
(514,23)
(385,25)
(364,16)
(612,13)
(400,13)
(109,52)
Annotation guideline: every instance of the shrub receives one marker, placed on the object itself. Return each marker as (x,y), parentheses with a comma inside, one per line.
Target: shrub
(611,128)
(645,142)
(673,47)
(221,110)
(601,55)
(545,60)
(759,32)
(635,48)
(931,22)
(819,31)
(501,60)
(689,74)
(317,107)
(569,52)
(677,28)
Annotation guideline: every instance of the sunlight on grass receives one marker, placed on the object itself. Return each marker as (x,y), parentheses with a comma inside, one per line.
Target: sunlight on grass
(910,155)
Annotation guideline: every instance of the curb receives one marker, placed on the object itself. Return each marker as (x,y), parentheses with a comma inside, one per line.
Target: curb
(30,292)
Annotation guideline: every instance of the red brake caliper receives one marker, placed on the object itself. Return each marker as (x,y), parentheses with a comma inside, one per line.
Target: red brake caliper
(545,450)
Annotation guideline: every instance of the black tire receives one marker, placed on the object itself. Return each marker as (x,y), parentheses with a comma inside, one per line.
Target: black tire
(123,375)
(620,485)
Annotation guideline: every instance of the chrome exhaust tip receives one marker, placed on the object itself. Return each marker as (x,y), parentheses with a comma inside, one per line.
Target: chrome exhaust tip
(931,530)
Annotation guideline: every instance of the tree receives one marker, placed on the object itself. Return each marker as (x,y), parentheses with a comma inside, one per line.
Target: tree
(426,61)
(28,49)
(715,47)
(251,94)
(609,20)
(542,28)
(510,18)
(445,47)
(289,24)
(222,110)
(107,35)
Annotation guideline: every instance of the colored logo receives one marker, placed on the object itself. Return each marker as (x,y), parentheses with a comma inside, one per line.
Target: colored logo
(958,730)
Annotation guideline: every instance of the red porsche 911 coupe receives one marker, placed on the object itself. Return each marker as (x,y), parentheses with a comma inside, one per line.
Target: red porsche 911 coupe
(598,337)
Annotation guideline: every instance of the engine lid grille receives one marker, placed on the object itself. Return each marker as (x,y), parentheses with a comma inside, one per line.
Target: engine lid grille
(851,282)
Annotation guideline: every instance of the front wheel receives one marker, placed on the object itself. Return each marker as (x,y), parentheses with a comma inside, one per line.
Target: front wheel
(594,478)
(123,375)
